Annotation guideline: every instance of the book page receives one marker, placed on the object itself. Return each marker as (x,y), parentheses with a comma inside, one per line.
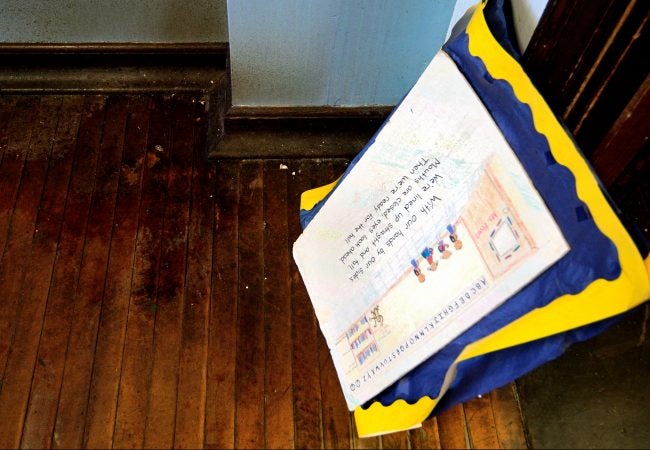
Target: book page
(435,226)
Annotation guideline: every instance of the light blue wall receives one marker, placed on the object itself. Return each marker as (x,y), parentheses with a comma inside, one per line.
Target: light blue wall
(115,21)
(331,52)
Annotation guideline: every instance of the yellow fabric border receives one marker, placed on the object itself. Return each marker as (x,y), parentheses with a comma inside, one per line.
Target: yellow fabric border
(308,199)
(600,300)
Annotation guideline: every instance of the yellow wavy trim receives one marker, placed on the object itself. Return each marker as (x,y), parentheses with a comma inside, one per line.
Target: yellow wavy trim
(308,199)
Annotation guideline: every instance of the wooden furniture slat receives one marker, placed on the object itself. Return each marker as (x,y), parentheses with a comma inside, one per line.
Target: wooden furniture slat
(480,423)
(304,330)
(102,399)
(452,428)
(279,422)
(161,405)
(552,63)
(22,248)
(588,58)
(92,276)
(507,417)
(222,354)
(190,412)
(249,422)
(138,345)
(601,17)
(50,353)
(426,436)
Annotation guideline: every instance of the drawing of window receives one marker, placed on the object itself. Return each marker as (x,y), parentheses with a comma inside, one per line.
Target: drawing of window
(504,239)
(361,340)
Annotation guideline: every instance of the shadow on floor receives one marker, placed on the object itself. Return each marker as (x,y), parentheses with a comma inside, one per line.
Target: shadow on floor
(596,395)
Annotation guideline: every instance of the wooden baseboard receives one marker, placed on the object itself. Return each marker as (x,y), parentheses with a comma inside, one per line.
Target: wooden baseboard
(111,67)
(311,112)
(298,132)
(215,48)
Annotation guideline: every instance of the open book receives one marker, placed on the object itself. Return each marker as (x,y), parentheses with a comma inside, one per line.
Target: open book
(436,225)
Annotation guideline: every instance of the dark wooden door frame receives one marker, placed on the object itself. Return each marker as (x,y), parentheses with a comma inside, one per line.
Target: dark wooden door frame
(589,60)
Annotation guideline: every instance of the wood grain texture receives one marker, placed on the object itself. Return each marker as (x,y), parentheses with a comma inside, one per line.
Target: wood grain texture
(102,398)
(138,345)
(71,242)
(7,111)
(50,356)
(588,59)
(627,138)
(150,298)
(190,410)
(249,421)
(278,401)
(306,376)
(17,135)
(426,436)
(92,277)
(396,440)
(168,303)
(507,417)
(337,431)
(222,354)
(23,246)
(481,427)
(14,241)
(452,428)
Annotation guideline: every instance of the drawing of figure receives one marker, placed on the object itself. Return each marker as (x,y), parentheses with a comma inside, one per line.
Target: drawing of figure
(427,254)
(442,248)
(376,318)
(416,270)
(453,237)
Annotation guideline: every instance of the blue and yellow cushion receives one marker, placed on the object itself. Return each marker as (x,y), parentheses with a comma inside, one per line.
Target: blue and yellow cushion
(603,276)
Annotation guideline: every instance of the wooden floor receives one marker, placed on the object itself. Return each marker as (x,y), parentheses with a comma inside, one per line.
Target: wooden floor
(148,298)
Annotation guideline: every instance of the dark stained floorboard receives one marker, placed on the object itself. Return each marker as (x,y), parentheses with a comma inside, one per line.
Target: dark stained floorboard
(336,426)
(138,346)
(92,276)
(107,368)
(249,419)
(161,410)
(306,373)
(426,436)
(190,406)
(41,410)
(222,354)
(16,136)
(31,264)
(150,298)
(15,242)
(278,401)
(92,196)
(7,109)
